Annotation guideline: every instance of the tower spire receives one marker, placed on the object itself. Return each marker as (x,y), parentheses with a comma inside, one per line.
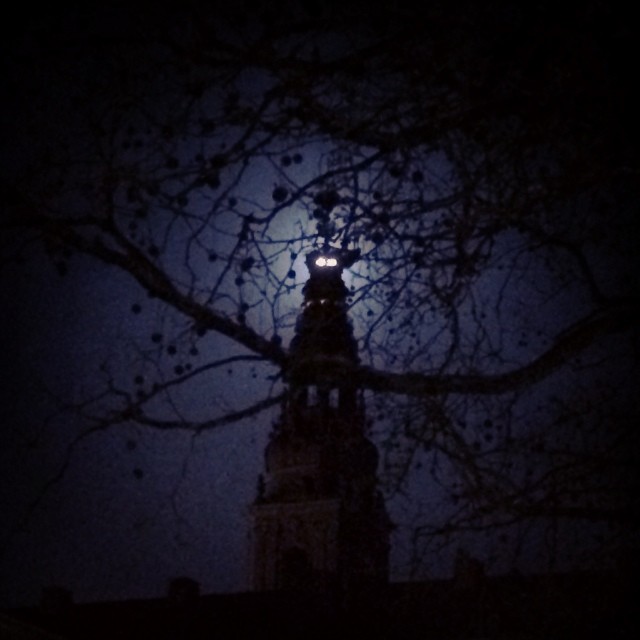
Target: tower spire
(319,518)
(324,335)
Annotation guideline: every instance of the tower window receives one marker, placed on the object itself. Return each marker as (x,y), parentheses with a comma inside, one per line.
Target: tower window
(326,262)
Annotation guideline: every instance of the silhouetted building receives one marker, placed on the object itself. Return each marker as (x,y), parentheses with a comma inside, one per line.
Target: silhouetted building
(559,606)
(319,521)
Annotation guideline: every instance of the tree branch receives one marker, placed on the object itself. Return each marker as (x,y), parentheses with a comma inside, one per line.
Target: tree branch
(206,425)
(154,280)
(571,342)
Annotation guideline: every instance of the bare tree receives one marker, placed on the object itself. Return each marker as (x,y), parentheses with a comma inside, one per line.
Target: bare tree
(481,162)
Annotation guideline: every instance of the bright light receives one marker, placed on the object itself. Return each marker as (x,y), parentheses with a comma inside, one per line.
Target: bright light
(326,262)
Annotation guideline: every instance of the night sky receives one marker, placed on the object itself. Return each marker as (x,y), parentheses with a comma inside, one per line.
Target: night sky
(135,508)
(118,512)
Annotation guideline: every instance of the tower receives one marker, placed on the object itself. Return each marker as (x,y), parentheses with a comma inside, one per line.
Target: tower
(319,520)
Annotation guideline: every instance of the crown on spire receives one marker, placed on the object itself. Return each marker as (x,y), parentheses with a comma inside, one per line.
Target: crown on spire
(324,334)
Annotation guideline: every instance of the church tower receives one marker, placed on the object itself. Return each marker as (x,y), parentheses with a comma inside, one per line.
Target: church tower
(319,520)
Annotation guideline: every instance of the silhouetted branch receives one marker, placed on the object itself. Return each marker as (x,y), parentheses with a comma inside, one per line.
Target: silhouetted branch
(568,344)
(199,426)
